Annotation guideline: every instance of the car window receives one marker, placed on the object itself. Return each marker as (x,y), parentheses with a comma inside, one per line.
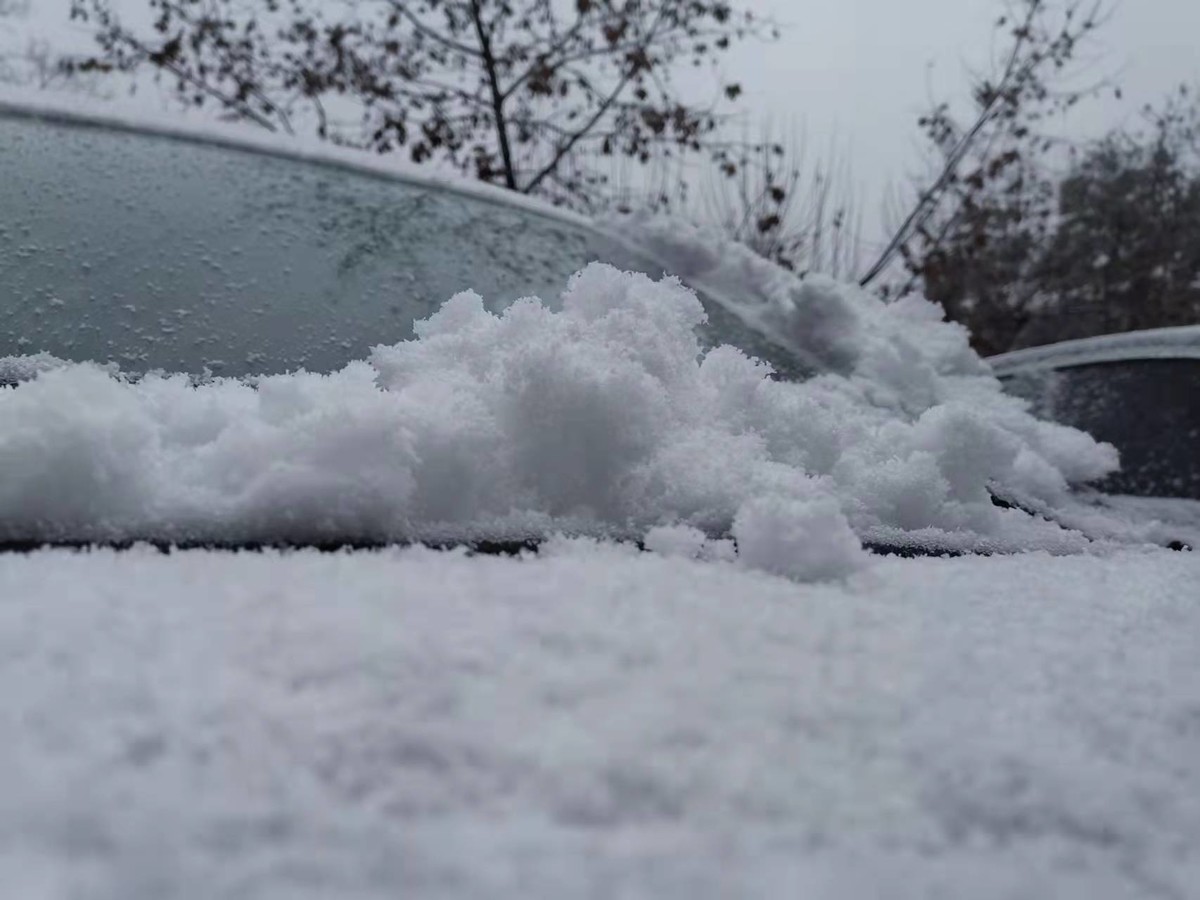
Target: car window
(159,253)
(1149,409)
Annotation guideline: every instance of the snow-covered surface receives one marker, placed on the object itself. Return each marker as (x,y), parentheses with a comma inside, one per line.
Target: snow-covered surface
(1159,520)
(1155,343)
(604,417)
(595,722)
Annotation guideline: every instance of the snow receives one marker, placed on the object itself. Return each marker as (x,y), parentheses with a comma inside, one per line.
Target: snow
(594,721)
(1155,520)
(594,413)
(14,369)
(899,349)
(804,539)
(688,543)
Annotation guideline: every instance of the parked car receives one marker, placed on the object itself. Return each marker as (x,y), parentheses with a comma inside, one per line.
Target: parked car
(1140,391)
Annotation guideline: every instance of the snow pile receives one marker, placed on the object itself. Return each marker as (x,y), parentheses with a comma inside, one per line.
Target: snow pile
(898,348)
(806,541)
(603,418)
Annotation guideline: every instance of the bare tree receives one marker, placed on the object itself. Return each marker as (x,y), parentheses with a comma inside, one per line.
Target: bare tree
(996,152)
(769,195)
(529,94)
(1125,252)
(798,214)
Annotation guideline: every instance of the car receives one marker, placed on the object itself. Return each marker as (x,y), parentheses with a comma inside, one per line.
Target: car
(1139,391)
(268,410)
(160,250)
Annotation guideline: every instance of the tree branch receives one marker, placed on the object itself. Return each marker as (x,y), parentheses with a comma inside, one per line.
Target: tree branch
(928,201)
(238,106)
(401,7)
(493,78)
(544,57)
(567,147)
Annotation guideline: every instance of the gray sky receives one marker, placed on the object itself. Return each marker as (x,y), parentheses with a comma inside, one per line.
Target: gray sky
(862,69)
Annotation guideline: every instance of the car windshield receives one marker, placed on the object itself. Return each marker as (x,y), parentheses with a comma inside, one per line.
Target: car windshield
(157,253)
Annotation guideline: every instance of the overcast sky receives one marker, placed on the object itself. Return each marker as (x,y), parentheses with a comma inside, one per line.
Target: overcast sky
(862,69)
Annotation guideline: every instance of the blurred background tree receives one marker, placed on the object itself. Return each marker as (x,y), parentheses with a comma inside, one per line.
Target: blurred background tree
(532,95)
(1125,250)
(973,228)
(800,213)
(31,62)
(799,210)
(1027,237)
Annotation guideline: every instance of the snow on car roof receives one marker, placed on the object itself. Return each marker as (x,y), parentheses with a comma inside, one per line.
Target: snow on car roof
(605,418)
(1182,342)
(596,722)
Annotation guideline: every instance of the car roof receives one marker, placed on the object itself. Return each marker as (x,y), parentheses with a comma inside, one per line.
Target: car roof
(1182,342)
(122,116)
(115,115)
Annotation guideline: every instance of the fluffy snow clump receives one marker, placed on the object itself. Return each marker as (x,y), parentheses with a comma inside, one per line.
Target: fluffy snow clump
(605,418)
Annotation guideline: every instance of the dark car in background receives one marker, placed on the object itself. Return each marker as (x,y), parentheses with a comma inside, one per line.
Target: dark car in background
(1139,391)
